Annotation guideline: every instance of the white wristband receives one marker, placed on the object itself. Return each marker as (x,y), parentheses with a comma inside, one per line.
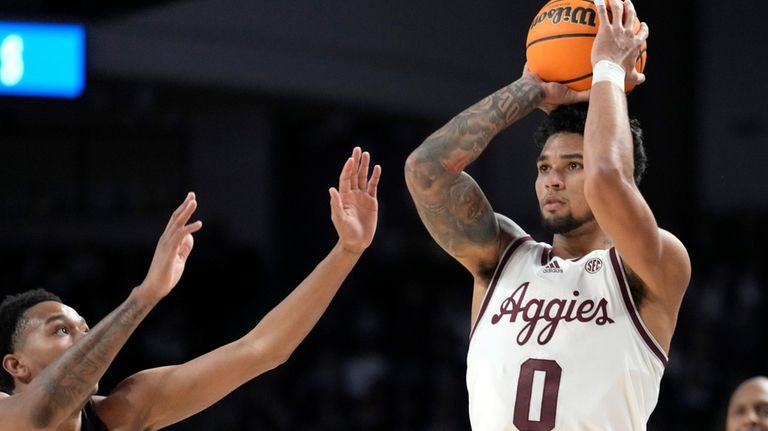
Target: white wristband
(609,71)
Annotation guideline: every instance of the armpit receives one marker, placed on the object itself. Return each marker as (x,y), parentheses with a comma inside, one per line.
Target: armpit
(636,287)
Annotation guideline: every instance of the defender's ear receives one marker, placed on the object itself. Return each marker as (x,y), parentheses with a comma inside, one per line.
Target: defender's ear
(16,368)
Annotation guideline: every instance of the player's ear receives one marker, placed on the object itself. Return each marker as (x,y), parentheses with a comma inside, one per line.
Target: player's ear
(16,368)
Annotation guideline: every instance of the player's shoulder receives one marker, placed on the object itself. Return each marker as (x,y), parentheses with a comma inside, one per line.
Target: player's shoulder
(513,237)
(675,256)
(4,395)
(676,260)
(670,239)
(509,230)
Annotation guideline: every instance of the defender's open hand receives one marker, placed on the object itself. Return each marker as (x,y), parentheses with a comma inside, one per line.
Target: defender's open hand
(354,207)
(172,250)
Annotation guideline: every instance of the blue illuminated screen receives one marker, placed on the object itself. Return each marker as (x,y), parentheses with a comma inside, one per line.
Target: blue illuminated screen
(45,60)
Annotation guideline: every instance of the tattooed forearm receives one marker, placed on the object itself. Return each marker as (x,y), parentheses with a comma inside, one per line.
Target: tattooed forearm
(463,139)
(71,379)
(451,205)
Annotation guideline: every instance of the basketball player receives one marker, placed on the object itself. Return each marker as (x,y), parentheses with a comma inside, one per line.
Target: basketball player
(748,407)
(52,361)
(571,336)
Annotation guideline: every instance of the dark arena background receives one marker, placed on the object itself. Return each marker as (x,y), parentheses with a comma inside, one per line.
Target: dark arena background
(254,105)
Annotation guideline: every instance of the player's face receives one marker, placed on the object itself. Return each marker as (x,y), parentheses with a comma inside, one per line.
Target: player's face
(748,409)
(560,183)
(51,329)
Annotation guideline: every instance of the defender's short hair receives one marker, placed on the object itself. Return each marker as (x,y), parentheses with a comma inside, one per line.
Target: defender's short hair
(572,118)
(11,321)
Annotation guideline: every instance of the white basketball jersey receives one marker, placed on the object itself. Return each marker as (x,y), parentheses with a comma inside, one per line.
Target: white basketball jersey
(559,345)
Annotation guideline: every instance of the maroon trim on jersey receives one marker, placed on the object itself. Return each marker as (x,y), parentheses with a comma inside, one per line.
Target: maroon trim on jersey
(630,304)
(576,259)
(502,263)
(546,255)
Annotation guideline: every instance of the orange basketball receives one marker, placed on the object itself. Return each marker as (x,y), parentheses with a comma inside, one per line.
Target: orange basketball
(560,40)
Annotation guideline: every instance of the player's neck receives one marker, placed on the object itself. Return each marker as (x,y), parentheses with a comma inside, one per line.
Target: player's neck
(580,242)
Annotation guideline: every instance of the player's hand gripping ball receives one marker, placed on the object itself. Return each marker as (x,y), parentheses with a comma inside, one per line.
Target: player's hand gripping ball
(559,44)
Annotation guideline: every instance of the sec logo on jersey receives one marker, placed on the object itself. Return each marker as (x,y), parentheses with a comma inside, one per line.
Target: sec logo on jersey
(593,265)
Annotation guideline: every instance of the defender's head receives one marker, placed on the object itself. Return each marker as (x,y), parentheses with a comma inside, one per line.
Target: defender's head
(35,329)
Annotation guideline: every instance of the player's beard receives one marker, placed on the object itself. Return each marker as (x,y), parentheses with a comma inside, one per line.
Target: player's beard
(564,224)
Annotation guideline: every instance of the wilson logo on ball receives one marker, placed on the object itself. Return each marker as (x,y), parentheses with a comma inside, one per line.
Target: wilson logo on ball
(579,15)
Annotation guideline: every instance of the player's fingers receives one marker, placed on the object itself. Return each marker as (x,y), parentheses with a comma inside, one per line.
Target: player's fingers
(643,32)
(573,96)
(617,11)
(602,11)
(630,14)
(362,171)
(373,183)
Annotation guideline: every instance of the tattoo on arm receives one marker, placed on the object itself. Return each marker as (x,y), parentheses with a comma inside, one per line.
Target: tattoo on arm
(450,203)
(463,218)
(70,380)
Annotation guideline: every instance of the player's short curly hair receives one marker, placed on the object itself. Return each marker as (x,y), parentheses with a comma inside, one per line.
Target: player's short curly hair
(12,320)
(571,119)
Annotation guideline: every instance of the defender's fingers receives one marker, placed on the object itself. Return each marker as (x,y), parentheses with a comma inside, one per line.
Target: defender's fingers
(181,218)
(345,178)
(356,154)
(362,171)
(177,212)
(193,227)
(337,207)
(373,183)
(180,234)
(185,248)
(186,213)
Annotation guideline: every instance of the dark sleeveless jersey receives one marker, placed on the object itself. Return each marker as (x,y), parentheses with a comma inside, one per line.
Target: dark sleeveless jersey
(91,422)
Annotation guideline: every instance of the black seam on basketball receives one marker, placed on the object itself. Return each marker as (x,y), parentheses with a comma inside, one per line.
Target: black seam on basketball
(576,79)
(559,36)
(558,1)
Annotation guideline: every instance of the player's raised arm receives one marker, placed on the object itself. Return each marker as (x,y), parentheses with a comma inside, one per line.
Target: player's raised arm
(159,397)
(56,362)
(450,203)
(654,255)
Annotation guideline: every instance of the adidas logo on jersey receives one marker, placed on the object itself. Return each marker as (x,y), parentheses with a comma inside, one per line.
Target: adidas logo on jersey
(552,268)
